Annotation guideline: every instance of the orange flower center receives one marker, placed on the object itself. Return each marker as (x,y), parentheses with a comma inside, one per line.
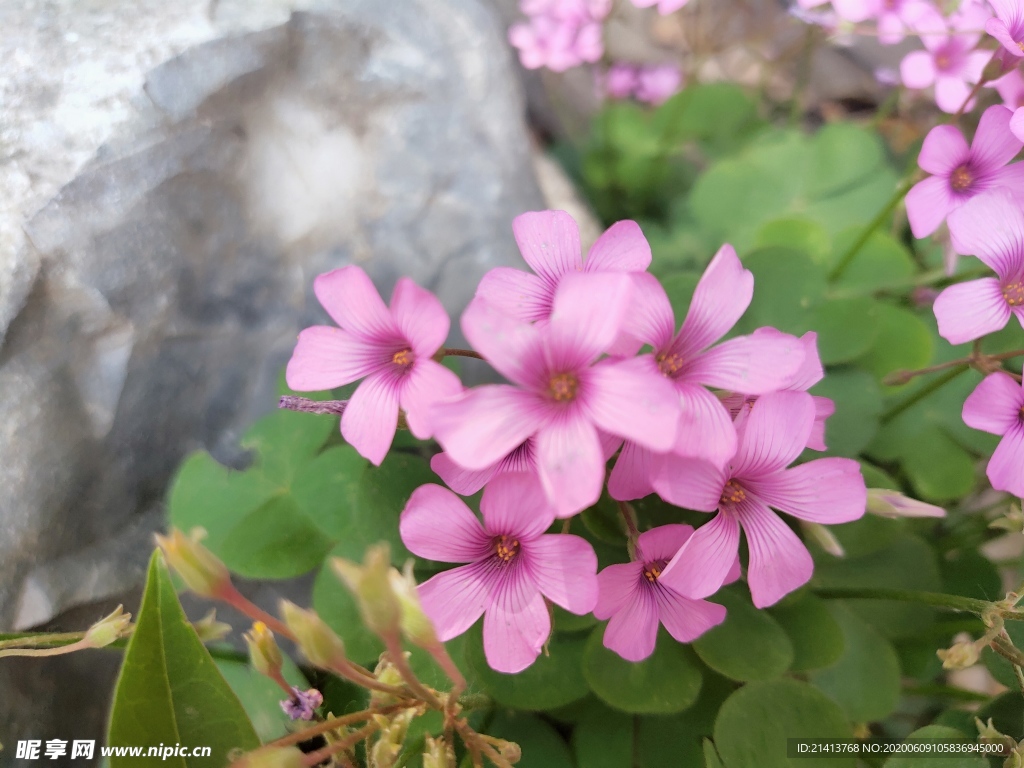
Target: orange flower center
(733,493)
(960,179)
(653,570)
(669,363)
(402,357)
(563,387)
(1014,293)
(506,548)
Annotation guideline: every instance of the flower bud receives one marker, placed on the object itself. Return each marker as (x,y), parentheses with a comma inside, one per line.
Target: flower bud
(197,566)
(108,629)
(959,655)
(209,629)
(988,734)
(416,627)
(823,537)
(371,586)
(1012,521)
(1014,759)
(272,757)
(386,673)
(318,642)
(893,504)
(266,656)
(438,754)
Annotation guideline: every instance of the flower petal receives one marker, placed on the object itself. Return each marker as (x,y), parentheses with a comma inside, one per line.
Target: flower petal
(823,408)
(688,483)
(706,429)
(748,364)
(564,567)
(663,542)
(515,630)
(991,227)
(570,463)
(968,311)
(616,586)
(944,149)
(517,294)
(774,434)
(631,399)
(371,417)
(779,562)
(1006,467)
(951,93)
(630,477)
(928,203)
(825,491)
(512,347)
(326,357)
(550,243)
(587,317)
(420,317)
(464,482)
(353,302)
(650,319)
(994,144)
(687,619)
(994,405)
(622,248)
(720,299)
(455,599)
(481,426)
(426,383)
(437,525)
(633,631)
(514,504)
(703,563)
(1017,123)
(998,29)
(917,70)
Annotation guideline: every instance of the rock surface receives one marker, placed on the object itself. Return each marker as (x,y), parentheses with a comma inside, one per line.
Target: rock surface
(173,177)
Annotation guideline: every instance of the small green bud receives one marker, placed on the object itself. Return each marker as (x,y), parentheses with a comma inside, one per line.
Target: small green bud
(960,655)
(318,642)
(266,656)
(893,504)
(272,757)
(209,629)
(823,537)
(108,629)
(371,586)
(202,572)
(386,673)
(416,627)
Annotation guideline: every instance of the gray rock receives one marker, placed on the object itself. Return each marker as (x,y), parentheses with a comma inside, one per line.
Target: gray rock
(162,282)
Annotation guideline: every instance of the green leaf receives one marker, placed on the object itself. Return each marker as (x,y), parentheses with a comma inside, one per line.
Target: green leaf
(1006,713)
(938,468)
(552,681)
(754,723)
(909,562)
(665,682)
(795,232)
(715,114)
(936,733)
(788,285)
(847,328)
(541,745)
(816,636)
(603,739)
(880,263)
(844,155)
(971,574)
(904,341)
(260,696)
(663,740)
(858,402)
(169,689)
(748,645)
(865,680)
(711,758)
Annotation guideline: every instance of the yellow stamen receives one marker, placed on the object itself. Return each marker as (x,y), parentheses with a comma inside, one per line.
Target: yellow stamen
(669,363)
(563,387)
(402,357)
(960,179)
(506,548)
(733,493)
(1014,294)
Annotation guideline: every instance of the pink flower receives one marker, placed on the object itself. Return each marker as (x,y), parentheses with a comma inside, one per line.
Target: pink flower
(562,396)
(754,364)
(997,406)
(390,349)
(665,7)
(949,62)
(466,482)
(1010,88)
(1008,25)
(635,599)
(895,17)
(820,491)
(512,566)
(560,34)
(961,172)
(618,82)
(656,84)
(848,10)
(550,244)
(990,227)
(809,374)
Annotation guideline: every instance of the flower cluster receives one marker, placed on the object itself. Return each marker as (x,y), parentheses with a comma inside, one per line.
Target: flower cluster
(650,84)
(597,372)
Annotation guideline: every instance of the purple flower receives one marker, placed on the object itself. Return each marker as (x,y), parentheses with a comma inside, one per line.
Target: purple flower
(550,244)
(560,34)
(997,406)
(635,599)
(466,482)
(961,172)
(754,364)
(655,84)
(618,82)
(390,349)
(1010,88)
(821,491)
(512,565)
(949,61)
(303,704)
(562,395)
(990,227)
(1008,25)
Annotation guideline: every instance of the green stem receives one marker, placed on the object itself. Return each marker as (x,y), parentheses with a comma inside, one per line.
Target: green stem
(847,258)
(921,394)
(936,599)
